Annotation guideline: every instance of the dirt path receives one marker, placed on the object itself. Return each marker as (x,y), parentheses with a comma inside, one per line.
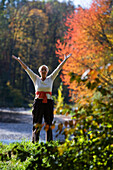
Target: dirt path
(16,125)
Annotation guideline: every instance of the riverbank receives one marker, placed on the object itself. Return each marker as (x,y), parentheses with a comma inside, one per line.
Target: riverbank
(16,125)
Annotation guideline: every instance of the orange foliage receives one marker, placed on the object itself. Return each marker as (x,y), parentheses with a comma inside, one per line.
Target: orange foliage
(88,42)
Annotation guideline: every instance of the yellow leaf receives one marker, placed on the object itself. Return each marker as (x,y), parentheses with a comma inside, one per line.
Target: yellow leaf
(90,117)
(94,123)
(61,150)
(81,131)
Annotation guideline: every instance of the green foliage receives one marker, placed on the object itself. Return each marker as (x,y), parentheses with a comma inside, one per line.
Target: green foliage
(26,155)
(83,152)
(89,136)
(90,132)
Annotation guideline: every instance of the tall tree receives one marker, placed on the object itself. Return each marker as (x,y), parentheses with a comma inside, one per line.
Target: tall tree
(89,39)
(7,8)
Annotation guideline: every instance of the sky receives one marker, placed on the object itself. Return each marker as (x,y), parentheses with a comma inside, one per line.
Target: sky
(83,3)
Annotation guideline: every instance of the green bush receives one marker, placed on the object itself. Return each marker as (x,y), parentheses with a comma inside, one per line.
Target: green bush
(88,151)
(89,135)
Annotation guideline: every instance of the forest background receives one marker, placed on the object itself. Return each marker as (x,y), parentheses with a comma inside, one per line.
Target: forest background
(42,32)
(29,30)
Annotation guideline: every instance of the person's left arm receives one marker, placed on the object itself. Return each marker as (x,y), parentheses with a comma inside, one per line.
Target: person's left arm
(59,67)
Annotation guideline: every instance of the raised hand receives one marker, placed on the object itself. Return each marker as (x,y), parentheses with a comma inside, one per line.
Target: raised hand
(20,61)
(66,57)
(14,57)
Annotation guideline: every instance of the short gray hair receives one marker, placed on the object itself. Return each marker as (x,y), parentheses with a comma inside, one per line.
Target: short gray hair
(39,70)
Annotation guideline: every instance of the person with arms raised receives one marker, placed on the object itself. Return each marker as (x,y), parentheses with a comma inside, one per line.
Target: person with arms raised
(43,102)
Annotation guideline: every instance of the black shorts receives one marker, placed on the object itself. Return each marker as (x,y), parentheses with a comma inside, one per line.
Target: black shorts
(41,110)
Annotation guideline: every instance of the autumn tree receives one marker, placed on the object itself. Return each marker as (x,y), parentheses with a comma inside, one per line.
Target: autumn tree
(89,39)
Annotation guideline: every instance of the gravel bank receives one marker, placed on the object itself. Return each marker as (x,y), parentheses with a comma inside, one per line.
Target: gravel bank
(16,125)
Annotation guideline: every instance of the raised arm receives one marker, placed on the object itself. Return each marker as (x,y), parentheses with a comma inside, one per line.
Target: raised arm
(63,62)
(31,74)
(59,67)
(20,61)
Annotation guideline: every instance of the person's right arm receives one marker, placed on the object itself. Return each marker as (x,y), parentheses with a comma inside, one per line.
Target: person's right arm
(32,75)
(20,61)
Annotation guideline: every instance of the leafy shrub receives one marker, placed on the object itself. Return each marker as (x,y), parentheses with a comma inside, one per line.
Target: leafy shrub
(90,132)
